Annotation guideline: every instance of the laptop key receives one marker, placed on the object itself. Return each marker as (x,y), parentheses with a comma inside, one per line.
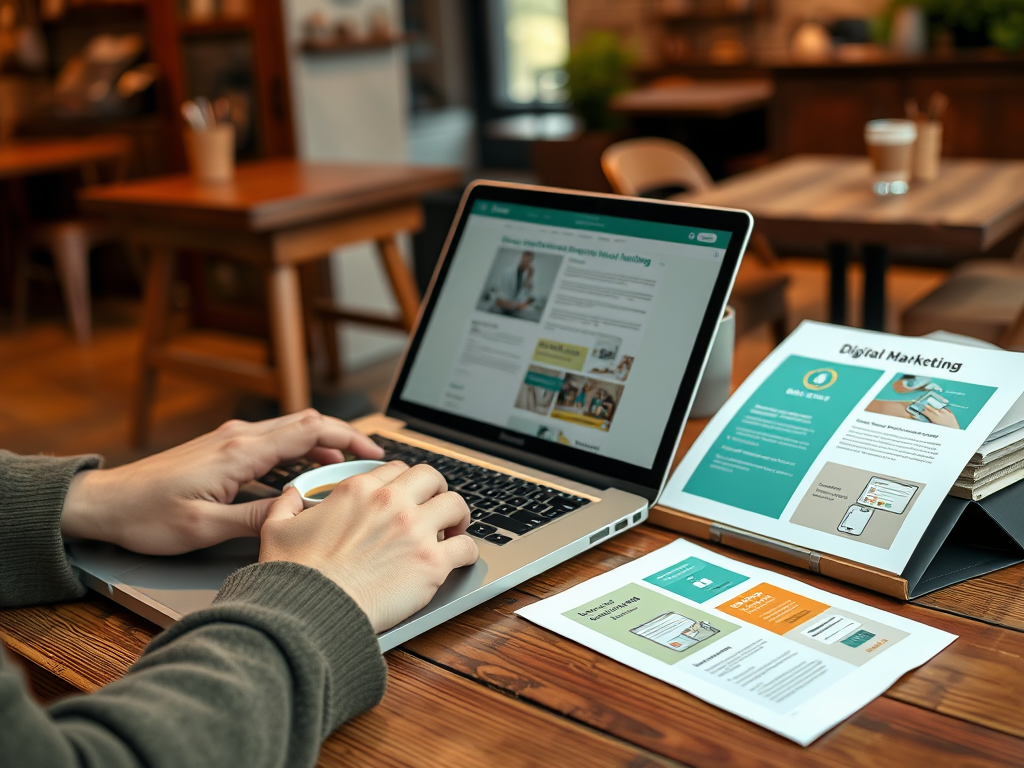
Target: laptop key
(505,509)
(536,507)
(528,518)
(518,501)
(499,539)
(508,524)
(480,530)
(478,514)
(485,503)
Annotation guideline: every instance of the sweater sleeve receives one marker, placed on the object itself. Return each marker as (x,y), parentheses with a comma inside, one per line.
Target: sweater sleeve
(260,678)
(33,567)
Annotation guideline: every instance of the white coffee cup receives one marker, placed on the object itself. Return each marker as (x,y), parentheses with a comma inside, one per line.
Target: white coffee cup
(715,385)
(315,485)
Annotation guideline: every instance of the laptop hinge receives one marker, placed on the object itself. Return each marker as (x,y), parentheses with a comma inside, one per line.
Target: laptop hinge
(763,545)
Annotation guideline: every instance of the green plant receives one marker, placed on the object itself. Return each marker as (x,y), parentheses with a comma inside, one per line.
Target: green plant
(1002,21)
(598,68)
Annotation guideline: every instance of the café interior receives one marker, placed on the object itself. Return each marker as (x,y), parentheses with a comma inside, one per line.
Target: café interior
(232,209)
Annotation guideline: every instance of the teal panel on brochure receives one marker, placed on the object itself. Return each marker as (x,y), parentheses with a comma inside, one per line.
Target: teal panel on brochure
(761,456)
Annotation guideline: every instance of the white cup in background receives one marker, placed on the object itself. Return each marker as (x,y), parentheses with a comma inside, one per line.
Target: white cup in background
(314,485)
(716,384)
(891,149)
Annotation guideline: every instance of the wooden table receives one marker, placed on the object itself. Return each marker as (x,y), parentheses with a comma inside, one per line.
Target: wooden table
(489,688)
(707,98)
(279,215)
(29,157)
(827,199)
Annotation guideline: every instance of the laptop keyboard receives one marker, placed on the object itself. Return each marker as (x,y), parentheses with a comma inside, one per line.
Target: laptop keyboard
(498,503)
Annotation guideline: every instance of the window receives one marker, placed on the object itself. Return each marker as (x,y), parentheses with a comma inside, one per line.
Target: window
(530,46)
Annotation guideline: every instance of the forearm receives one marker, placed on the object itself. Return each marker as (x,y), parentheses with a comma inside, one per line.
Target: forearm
(259,679)
(33,567)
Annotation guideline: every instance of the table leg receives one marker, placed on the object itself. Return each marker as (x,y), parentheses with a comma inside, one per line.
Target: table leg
(838,257)
(403,283)
(155,309)
(288,338)
(876,260)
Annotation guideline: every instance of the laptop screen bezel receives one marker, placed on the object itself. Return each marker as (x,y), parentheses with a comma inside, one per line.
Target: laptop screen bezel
(543,454)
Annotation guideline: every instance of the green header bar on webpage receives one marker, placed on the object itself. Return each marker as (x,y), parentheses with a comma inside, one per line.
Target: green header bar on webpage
(608,225)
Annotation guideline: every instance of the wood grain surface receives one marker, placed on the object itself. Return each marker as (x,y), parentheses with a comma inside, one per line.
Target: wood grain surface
(971,206)
(25,157)
(268,195)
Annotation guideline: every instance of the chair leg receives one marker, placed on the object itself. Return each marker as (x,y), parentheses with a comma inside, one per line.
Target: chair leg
(287,338)
(20,298)
(70,248)
(155,310)
(779,330)
(402,281)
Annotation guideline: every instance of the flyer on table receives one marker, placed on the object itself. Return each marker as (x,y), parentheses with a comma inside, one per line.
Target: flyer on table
(773,650)
(846,441)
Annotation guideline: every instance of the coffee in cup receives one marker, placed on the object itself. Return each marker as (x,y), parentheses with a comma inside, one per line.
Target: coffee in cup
(316,485)
(891,149)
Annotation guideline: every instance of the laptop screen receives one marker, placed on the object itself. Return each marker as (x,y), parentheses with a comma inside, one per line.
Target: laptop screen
(569,327)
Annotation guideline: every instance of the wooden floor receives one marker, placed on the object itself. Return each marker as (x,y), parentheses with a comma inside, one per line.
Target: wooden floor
(56,397)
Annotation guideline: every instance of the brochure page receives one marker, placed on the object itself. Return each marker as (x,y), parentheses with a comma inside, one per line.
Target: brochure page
(773,650)
(846,441)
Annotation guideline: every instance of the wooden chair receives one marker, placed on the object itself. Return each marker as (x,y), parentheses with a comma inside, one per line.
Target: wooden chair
(660,168)
(69,241)
(983,299)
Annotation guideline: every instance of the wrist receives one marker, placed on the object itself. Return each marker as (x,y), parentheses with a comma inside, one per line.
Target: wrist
(85,506)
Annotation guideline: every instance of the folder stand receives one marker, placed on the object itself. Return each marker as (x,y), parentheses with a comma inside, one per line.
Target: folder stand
(965,539)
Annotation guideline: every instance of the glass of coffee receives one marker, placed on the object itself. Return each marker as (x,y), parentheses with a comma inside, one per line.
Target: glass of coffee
(891,149)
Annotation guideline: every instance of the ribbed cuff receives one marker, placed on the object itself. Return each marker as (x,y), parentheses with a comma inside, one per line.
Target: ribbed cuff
(328,619)
(33,566)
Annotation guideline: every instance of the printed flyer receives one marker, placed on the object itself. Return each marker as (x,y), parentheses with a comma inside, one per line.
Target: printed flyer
(773,650)
(846,441)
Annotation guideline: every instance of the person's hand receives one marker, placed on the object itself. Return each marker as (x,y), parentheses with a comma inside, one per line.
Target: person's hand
(180,500)
(376,536)
(941,416)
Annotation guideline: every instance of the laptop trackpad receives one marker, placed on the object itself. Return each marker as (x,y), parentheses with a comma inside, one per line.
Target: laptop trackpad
(186,583)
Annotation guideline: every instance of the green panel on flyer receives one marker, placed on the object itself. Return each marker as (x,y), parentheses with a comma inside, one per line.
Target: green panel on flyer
(766,449)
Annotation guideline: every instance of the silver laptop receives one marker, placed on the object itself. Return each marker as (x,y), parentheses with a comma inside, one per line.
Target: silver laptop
(548,378)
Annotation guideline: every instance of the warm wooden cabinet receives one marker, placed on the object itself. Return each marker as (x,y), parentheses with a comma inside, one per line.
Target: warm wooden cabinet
(823,107)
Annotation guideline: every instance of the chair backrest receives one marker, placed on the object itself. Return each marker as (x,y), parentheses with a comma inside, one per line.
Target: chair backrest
(638,166)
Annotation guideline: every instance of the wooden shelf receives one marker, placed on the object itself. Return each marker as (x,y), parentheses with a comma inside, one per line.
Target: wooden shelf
(214,27)
(343,46)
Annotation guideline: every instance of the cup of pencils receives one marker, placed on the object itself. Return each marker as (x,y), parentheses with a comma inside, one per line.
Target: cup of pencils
(928,148)
(209,140)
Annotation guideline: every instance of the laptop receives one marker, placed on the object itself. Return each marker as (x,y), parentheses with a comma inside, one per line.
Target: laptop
(548,378)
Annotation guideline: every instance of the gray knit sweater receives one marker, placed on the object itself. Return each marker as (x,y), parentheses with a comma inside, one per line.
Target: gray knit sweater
(258,679)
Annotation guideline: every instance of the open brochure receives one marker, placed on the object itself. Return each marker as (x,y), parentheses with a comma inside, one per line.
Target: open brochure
(768,648)
(847,442)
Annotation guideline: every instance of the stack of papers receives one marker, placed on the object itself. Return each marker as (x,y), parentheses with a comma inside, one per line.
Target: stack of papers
(999,462)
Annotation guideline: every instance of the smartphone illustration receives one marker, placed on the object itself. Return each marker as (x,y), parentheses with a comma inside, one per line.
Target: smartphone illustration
(855,520)
(916,408)
(890,495)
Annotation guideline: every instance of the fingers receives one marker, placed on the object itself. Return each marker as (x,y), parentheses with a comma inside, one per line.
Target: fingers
(418,485)
(389,472)
(283,508)
(325,455)
(252,449)
(459,551)
(447,512)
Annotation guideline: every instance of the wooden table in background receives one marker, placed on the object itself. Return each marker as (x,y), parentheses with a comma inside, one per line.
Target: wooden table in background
(705,98)
(29,157)
(489,688)
(279,215)
(827,199)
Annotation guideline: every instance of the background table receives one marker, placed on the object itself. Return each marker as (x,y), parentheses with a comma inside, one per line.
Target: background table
(707,98)
(827,199)
(279,215)
(489,688)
